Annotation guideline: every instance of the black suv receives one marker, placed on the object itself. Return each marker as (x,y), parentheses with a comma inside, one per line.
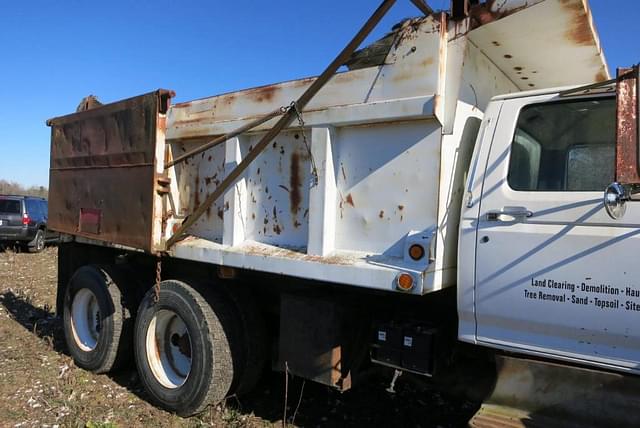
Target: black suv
(23,221)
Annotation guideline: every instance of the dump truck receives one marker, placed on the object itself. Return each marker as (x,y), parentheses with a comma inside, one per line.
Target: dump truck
(429,199)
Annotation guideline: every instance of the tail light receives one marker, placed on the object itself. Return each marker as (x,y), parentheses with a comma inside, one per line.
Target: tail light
(25,219)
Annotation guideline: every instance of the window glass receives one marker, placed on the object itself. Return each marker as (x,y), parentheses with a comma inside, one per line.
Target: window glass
(564,146)
(44,208)
(9,206)
(33,209)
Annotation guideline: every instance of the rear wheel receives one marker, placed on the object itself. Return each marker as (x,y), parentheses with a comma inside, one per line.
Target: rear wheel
(185,347)
(37,245)
(96,320)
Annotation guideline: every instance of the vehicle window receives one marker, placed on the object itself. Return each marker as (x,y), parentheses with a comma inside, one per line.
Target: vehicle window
(44,208)
(10,206)
(564,146)
(33,208)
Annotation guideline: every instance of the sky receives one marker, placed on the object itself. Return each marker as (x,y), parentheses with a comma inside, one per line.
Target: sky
(54,53)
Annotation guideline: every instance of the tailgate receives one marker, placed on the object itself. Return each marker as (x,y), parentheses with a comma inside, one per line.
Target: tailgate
(104,172)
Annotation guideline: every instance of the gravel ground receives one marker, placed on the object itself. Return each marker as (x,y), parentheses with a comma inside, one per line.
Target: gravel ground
(41,387)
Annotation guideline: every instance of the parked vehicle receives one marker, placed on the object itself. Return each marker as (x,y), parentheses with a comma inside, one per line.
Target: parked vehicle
(23,222)
(388,208)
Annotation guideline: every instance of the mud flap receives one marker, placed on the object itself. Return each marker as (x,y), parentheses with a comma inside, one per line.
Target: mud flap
(530,393)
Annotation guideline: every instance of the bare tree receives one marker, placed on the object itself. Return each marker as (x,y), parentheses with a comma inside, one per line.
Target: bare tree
(14,188)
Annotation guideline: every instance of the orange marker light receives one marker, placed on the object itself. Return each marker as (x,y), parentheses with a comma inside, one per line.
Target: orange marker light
(404,282)
(416,252)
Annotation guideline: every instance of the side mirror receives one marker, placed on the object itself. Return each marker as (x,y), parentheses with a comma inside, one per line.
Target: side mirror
(627,177)
(616,195)
(615,200)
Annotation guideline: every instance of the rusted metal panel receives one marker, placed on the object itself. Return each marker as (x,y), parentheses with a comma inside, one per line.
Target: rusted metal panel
(103,172)
(318,340)
(627,126)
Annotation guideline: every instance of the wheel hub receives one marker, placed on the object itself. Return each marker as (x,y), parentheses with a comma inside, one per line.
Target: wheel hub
(168,347)
(85,320)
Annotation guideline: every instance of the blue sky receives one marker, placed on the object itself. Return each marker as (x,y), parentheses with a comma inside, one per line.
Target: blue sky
(55,53)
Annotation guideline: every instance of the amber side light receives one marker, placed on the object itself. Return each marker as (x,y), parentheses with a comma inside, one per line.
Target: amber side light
(405,282)
(416,252)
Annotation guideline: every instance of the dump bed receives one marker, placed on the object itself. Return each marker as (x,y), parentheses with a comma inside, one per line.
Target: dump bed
(365,187)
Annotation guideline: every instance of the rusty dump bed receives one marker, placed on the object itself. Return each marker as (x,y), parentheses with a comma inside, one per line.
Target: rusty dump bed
(377,167)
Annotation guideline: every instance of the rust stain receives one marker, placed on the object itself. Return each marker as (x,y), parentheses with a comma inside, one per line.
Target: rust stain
(495,43)
(381,215)
(277,229)
(350,200)
(253,216)
(295,184)
(209,211)
(344,174)
(400,207)
(290,254)
(580,30)
(489,11)
(263,93)
(196,197)
(182,105)
(626,127)
(427,62)
(220,213)
(601,76)
(508,56)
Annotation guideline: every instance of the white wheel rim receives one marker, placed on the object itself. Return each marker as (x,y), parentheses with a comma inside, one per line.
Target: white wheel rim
(85,319)
(168,347)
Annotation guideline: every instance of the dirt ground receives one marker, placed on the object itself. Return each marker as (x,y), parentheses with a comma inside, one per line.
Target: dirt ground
(41,387)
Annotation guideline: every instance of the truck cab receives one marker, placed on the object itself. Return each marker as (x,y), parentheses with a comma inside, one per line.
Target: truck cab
(543,269)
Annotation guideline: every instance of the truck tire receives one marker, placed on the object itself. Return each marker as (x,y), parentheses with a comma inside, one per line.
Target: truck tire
(255,343)
(97,322)
(185,347)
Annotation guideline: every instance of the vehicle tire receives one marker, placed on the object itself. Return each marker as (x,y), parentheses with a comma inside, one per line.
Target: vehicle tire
(255,343)
(185,347)
(37,245)
(97,322)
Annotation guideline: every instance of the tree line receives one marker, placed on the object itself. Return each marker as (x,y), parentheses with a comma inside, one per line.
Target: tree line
(14,188)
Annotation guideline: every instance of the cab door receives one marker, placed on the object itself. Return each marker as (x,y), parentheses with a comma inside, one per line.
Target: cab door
(555,275)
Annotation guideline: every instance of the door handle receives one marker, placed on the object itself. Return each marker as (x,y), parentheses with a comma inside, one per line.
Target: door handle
(509,214)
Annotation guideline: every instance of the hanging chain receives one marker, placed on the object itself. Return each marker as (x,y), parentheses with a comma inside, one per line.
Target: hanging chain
(314,170)
(156,287)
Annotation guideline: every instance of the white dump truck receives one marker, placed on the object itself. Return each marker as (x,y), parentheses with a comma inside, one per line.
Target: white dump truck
(384,214)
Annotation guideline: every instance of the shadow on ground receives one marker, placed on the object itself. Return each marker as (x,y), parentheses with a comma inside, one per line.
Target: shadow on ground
(414,404)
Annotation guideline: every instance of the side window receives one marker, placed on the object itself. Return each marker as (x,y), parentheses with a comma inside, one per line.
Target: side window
(44,208)
(33,208)
(564,146)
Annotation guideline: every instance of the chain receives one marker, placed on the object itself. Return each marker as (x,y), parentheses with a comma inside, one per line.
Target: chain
(314,171)
(156,287)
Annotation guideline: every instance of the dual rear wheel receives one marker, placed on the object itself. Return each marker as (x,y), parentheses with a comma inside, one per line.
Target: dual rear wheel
(192,344)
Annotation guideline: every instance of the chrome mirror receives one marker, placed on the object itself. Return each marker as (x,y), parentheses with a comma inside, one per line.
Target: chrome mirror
(615,198)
